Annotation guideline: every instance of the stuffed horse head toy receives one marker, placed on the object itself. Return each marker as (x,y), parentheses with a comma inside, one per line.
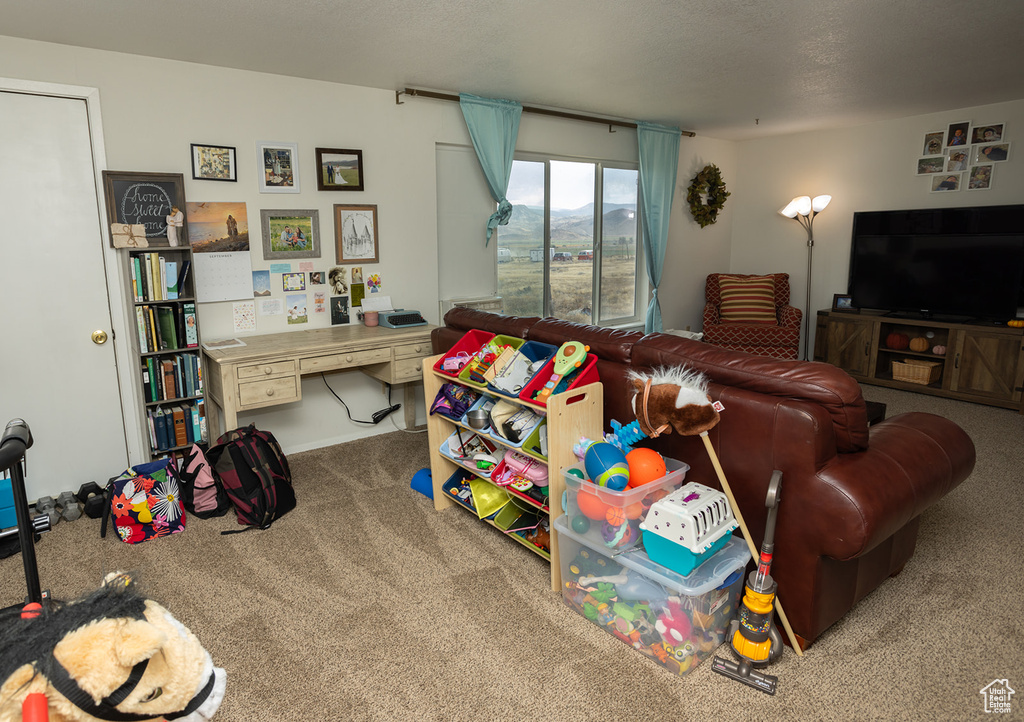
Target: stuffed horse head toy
(111,655)
(672,398)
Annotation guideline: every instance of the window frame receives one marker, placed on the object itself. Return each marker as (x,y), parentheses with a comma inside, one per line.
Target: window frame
(641,290)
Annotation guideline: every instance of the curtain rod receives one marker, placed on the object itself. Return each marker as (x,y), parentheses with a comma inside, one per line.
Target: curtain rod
(528,109)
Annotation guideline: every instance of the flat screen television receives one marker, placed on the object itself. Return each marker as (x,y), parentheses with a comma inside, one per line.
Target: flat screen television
(959,264)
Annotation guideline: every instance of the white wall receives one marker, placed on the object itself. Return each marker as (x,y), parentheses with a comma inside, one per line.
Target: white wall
(864,168)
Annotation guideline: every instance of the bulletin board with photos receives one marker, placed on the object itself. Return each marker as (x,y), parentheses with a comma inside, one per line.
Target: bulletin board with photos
(964,156)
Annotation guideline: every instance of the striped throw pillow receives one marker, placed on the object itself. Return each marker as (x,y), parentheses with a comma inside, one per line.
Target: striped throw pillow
(748,300)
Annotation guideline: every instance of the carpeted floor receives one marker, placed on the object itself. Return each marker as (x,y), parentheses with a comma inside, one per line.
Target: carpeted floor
(365,604)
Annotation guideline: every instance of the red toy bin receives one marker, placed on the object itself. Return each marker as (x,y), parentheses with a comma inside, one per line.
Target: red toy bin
(587,375)
(471,342)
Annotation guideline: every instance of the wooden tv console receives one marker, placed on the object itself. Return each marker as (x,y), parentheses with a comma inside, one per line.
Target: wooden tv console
(983,364)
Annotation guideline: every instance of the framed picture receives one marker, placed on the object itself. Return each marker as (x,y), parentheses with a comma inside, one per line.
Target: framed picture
(294,281)
(979,178)
(946,182)
(155,201)
(278,165)
(213,162)
(842,302)
(991,153)
(992,133)
(956,134)
(957,159)
(339,170)
(934,164)
(291,234)
(355,234)
(933,143)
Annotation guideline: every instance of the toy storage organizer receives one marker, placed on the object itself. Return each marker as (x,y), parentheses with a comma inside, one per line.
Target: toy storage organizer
(457,481)
(677,621)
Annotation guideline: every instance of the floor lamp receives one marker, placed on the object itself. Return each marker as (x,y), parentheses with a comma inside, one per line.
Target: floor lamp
(803,210)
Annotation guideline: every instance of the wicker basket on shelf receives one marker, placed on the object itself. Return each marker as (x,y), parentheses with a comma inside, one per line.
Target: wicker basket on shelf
(917,371)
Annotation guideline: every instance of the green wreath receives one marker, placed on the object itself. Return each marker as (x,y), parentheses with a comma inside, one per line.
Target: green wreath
(708,181)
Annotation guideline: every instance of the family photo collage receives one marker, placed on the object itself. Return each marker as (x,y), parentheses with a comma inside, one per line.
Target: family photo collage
(963,156)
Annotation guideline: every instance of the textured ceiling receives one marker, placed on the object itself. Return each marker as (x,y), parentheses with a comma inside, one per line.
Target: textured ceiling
(731,69)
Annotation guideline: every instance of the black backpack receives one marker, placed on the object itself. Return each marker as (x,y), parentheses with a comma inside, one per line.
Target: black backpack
(254,473)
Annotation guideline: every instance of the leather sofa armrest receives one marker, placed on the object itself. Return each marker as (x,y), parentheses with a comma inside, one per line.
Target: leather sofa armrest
(913,460)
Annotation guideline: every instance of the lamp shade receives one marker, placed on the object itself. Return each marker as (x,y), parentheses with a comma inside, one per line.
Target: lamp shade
(820,203)
(793,207)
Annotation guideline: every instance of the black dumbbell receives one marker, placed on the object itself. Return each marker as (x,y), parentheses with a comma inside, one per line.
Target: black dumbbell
(93,498)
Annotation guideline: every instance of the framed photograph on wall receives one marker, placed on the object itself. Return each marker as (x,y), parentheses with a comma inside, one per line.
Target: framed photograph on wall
(946,182)
(957,134)
(339,170)
(290,234)
(213,162)
(979,178)
(957,159)
(991,153)
(278,166)
(355,234)
(155,201)
(933,142)
(991,133)
(933,164)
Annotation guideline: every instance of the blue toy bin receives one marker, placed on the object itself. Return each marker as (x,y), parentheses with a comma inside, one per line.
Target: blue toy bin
(534,351)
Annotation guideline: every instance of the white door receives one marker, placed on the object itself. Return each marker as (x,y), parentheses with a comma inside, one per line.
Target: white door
(53,296)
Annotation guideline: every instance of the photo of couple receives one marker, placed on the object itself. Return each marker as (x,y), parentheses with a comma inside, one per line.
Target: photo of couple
(290,234)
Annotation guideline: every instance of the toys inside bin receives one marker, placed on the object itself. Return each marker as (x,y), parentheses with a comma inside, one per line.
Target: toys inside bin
(458,488)
(686,528)
(610,518)
(676,621)
(489,359)
(575,377)
(456,358)
(512,424)
(471,450)
(453,401)
(520,368)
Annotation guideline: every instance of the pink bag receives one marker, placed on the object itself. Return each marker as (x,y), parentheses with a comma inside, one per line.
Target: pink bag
(515,469)
(203,495)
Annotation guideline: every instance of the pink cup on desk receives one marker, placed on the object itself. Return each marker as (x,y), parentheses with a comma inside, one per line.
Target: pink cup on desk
(370,318)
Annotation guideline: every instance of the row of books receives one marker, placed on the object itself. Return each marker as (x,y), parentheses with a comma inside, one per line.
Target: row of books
(177,426)
(172,377)
(166,327)
(155,278)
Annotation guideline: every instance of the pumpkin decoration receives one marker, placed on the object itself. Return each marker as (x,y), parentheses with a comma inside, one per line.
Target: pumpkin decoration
(898,341)
(939,350)
(919,344)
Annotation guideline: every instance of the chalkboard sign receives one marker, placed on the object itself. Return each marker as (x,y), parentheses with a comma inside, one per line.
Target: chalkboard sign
(153,200)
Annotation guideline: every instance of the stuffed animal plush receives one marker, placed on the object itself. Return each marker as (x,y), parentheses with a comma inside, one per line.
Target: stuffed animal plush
(672,398)
(111,655)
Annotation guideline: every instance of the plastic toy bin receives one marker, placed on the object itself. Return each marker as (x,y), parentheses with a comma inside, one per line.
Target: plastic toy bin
(587,374)
(8,516)
(471,342)
(632,598)
(610,519)
(533,351)
(513,341)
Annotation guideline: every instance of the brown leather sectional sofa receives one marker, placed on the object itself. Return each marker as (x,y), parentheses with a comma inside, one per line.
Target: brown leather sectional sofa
(851,497)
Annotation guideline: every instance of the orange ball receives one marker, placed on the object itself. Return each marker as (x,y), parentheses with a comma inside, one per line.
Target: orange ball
(645,465)
(590,506)
(616,516)
(634,511)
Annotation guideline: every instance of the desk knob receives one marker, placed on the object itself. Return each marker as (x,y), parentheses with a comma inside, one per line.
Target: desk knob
(267,370)
(349,357)
(418,349)
(270,392)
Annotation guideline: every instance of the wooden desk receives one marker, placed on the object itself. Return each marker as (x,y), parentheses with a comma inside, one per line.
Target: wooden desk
(265,372)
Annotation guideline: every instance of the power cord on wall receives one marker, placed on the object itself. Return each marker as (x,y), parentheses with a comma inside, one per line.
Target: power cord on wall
(377,416)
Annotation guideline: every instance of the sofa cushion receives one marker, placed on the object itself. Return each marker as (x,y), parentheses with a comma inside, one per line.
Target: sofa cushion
(464,319)
(826,385)
(747,299)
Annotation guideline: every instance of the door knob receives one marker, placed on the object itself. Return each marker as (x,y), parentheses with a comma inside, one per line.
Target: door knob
(99,337)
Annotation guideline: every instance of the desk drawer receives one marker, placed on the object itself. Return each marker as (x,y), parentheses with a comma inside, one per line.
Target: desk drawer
(410,369)
(268,392)
(344,360)
(413,350)
(259,371)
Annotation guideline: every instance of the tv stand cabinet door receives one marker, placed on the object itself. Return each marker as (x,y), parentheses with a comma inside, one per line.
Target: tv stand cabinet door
(850,343)
(988,363)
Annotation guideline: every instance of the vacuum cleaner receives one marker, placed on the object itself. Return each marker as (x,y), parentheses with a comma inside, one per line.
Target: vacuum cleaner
(754,638)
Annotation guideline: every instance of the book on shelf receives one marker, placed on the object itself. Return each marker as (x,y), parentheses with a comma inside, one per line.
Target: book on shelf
(179,380)
(171,273)
(154,341)
(188,311)
(154,278)
(180,435)
(162,280)
(147,381)
(167,373)
(168,331)
(140,323)
(154,380)
(197,434)
(183,276)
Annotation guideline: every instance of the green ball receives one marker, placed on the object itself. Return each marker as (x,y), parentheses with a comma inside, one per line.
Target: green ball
(577,473)
(580,524)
